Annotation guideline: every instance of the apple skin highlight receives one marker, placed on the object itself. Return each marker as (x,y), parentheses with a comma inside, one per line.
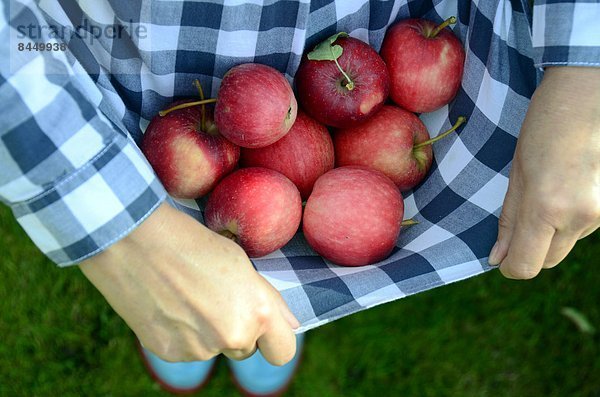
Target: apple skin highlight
(188,161)
(354,216)
(386,142)
(321,85)
(425,72)
(258,208)
(255,105)
(303,154)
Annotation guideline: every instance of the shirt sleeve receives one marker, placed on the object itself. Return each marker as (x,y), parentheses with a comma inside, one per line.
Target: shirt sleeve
(566,33)
(75,181)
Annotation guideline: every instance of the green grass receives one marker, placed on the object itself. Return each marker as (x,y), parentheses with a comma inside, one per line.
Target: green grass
(486,336)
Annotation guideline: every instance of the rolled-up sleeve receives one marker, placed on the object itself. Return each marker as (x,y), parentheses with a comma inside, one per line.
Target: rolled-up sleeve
(75,181)
(566,33)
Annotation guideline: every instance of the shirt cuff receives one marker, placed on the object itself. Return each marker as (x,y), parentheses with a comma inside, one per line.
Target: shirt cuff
(95,206)
(566,33)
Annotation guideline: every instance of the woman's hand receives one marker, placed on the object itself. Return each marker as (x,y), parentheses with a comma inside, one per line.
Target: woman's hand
(553,197)
(190,294)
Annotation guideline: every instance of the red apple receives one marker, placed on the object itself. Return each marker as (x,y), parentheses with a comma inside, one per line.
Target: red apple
(353,216)
(394,142)
(258,208)
(346,90)
(425,64)
(188,158)
(386,143)
(303,154)
(255,105)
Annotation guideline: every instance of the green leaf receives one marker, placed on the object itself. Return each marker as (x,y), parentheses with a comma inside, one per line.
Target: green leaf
(326,51)
(579,319)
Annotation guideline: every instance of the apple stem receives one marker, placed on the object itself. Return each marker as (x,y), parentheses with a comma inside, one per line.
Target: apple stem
(163,113)
(438,29)
(458,123)
(201,92)
(349,83)
(409,222)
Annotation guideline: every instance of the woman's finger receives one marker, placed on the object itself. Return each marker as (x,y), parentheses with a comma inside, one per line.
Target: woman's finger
(562,243)
(529,246)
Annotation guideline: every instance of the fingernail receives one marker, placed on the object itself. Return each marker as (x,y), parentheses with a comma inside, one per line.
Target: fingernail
(494,259)
(296,324)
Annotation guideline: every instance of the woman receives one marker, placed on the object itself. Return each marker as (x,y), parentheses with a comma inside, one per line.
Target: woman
(79,186)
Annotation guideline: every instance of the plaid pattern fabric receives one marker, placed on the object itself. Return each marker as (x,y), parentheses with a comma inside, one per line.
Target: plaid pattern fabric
(565,33)
(104,92)
(76,181)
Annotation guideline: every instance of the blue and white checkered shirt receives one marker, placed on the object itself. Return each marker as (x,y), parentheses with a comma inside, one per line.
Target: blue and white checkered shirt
(73,111)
